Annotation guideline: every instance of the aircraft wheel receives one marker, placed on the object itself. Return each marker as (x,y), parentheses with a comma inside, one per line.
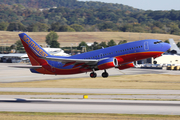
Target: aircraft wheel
(105,74)
(93,75)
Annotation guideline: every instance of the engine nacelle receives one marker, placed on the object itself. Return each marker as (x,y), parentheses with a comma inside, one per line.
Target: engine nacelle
(107,63)
(125,66)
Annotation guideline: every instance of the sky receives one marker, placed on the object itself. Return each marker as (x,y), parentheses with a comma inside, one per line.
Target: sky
(146,4)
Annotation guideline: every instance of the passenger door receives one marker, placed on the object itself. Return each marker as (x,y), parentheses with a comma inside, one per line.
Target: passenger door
(146,46)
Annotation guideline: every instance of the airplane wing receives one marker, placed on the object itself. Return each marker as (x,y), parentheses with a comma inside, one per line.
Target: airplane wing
(71,60)
(27,66)
(66,61)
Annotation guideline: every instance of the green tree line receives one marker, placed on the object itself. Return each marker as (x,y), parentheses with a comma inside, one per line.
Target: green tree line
(16,17)
(72,4)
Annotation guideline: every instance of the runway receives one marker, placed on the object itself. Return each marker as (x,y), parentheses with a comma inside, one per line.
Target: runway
(95,103)
(106,102)
(9,74)
(92,106)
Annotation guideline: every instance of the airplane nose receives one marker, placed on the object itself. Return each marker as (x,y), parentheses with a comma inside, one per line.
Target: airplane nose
(167,46)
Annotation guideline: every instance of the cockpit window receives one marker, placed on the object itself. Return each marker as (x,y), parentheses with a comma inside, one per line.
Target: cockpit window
(157,42)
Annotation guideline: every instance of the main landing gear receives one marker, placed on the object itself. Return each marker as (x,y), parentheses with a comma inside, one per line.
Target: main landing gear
(105,74)
(94,75)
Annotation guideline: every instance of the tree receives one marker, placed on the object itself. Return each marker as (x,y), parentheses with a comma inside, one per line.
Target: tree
(175,29)
(66,28)
(55,44)
(77,28)
(18,46)
(16,27)
(51,39)
(122,42)
(94,46)
(3,26)
(127,28)
(166,41)
(55,26)
(38,27)
(43,27)
(81,45)
(111,43)
(107,25)
(178,44)
(157,30)
(33,28)
(103,44)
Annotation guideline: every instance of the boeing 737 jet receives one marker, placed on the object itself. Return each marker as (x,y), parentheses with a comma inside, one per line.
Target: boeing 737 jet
(119,56)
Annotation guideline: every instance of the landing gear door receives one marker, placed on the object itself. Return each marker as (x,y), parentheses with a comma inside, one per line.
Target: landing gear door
(146,46)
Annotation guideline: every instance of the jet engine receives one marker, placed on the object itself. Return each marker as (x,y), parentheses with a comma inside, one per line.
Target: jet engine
(107,63)
(125,66)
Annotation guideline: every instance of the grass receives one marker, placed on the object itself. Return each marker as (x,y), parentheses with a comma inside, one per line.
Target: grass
(42,93)
(74,38)
(147,81)
(50,93)
(81,116)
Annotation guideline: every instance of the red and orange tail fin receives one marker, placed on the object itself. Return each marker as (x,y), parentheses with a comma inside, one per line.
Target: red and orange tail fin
(34,51)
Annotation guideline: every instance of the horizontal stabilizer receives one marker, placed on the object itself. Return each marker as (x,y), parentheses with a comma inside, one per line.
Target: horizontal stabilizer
(27,66)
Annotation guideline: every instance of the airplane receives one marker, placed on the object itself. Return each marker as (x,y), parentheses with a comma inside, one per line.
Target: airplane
(174,47)
(119,56)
